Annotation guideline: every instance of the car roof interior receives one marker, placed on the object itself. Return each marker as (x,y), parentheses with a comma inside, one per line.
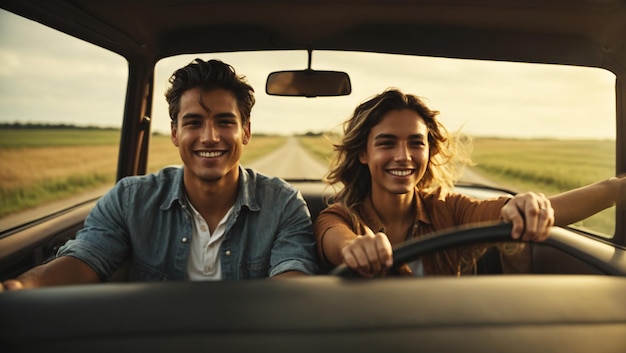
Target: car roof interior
(579,32)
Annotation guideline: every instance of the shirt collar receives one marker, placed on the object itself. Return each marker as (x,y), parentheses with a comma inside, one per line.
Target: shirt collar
(177,192)
(246,196)
(247,190)
(373,221)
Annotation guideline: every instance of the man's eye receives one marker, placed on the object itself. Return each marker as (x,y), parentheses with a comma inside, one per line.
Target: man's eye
(192,123)
(227,122)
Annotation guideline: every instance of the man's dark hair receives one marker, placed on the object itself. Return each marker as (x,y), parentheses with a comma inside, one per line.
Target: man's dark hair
(208,75)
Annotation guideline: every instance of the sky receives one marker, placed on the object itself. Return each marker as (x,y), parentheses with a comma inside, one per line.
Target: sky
(46,76)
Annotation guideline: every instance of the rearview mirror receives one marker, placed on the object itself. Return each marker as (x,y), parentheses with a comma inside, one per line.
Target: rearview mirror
(308,83)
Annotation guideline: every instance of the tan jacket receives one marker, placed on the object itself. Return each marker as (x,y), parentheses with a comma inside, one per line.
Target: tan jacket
(436,211)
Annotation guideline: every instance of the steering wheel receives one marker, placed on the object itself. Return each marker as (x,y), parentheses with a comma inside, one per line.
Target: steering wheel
(586,249)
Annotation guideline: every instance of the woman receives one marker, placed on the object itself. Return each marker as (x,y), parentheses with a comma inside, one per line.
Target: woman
(396,165)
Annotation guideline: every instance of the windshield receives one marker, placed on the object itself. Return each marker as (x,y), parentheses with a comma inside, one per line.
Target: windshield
(545,128)
(534,127)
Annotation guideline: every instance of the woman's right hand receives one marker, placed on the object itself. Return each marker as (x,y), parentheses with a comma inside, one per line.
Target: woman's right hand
(369,254)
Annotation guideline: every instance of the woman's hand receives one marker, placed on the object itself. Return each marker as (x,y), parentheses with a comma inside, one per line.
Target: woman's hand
(532,216)
(369,254)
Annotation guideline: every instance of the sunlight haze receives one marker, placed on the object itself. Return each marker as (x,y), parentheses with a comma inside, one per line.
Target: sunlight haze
(481,98)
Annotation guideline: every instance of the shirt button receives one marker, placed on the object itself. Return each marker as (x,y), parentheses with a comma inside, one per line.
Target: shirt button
(184,240)
(208,269)
(203,228)
(228,253)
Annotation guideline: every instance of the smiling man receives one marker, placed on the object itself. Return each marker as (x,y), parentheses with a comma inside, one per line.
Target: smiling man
(209,220)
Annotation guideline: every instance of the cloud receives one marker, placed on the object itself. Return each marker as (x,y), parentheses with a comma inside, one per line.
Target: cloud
(47,75)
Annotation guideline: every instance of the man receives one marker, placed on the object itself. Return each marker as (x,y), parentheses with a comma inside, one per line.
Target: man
(209,220)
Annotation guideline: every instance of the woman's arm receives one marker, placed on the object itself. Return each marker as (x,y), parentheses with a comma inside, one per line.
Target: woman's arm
(577,204)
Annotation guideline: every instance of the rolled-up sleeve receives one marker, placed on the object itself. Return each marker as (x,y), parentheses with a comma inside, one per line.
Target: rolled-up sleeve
(334,215)
(294,244)
(103,241)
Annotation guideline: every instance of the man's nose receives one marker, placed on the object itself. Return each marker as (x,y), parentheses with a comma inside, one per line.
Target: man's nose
(209,134)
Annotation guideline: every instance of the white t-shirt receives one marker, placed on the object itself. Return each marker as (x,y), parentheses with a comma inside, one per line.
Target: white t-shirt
(204,253)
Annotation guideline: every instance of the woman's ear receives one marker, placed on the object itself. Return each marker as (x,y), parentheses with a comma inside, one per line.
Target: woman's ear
(363,157)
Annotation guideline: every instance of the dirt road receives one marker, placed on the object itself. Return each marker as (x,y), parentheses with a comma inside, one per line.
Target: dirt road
(290,161)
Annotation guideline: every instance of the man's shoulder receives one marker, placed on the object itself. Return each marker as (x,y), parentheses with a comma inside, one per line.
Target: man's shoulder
(162,175)
(162,179)
(154,188)
(262,181)
(260,191)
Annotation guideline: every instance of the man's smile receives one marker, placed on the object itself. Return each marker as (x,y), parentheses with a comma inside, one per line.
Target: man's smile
(210,154)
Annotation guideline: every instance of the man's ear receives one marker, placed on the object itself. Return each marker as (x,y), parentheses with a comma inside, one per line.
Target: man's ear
(174,131)
(247,135)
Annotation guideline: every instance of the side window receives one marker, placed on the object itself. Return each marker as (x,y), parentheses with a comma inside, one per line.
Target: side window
(61,107)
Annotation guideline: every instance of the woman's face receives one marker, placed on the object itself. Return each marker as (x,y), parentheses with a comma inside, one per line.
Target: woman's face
(397,152)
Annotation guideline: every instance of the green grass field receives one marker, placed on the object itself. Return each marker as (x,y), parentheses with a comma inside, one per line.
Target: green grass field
(547,166)
(38,166)
(23,138)
(524,165)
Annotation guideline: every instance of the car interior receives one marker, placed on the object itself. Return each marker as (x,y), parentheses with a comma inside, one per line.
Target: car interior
(571,300)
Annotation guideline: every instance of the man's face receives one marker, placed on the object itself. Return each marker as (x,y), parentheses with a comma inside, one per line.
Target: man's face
(209,135)
(397,152)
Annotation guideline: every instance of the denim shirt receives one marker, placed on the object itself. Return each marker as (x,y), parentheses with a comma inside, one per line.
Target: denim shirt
(145,219)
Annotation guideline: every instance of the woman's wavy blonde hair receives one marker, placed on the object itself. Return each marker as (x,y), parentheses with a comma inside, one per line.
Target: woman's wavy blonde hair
(352,180)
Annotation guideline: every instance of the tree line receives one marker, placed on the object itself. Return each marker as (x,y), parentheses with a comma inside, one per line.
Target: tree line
(38,126)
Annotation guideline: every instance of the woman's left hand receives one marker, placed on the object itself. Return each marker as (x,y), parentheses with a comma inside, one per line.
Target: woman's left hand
(531,214)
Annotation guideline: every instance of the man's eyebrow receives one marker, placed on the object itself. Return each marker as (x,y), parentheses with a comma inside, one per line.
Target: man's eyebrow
(191,116)
(226,115)
(200,116)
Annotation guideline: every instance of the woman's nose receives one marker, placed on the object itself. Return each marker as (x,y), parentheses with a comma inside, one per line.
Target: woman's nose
(403,153)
